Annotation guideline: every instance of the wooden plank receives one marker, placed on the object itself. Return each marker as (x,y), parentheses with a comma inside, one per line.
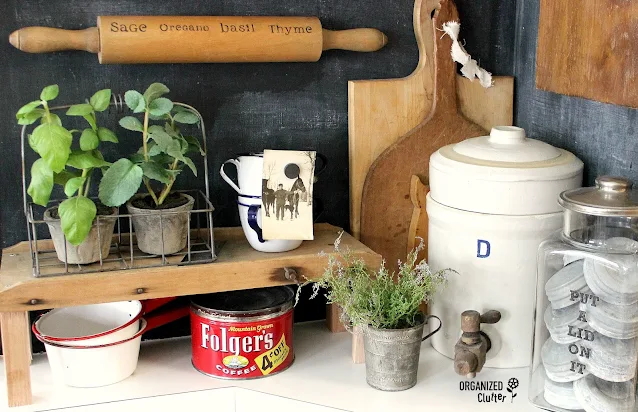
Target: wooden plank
(16,345)
(381,111)
(238,267)
(419,221)
(358,350)
(333,320)
(589,50)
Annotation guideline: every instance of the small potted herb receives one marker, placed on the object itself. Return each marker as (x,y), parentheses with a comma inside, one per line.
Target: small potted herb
(160,217)
(387,307)
(74,220)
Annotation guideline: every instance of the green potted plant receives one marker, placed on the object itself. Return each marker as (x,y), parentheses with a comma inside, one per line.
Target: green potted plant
(387,308)
(74,221)
(160,217)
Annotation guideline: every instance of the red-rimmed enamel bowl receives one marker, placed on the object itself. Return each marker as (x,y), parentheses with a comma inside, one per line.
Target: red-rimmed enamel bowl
(90,325)
(85,366)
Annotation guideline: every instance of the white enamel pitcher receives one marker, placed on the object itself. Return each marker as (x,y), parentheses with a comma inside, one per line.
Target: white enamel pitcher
(249,174)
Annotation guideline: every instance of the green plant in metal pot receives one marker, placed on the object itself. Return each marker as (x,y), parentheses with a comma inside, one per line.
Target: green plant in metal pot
(76,233)
(160,217)
(387,308)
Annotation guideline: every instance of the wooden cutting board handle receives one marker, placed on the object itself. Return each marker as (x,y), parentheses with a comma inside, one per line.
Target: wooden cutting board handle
(200,39)
(48,39)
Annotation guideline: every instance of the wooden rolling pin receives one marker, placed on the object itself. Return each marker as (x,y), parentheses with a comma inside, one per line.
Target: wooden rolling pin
(199,39)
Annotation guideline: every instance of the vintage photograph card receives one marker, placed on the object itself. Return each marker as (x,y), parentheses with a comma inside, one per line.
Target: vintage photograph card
(286,209)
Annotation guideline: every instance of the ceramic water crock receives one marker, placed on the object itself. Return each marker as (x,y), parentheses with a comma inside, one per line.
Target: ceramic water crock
(161,231)
(492,201)
(392,355)
(95,246)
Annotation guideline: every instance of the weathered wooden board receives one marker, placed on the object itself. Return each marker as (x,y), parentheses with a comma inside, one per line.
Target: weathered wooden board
(238,267)
(381,111)
(589,49)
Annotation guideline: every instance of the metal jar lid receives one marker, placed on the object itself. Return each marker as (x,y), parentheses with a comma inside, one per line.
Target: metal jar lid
(612,196)
(245,303)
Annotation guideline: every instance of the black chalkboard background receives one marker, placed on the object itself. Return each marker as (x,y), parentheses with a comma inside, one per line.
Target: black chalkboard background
(249,107)
(246,107)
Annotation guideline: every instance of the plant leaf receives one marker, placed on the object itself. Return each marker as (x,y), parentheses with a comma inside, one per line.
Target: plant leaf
(154,91)
(106,135)
(30,117)
(190,164)
(186,117)
(76,218)
(82,109)
(120,182)
(154,171)
(193,145)
(88,140)
(135,101)
(50,92)
(174,132)
(85,160)
(51,118)
(136,158)
(53,143)
(131,123)
(91,120)
(160,106)
(154,149)
(163,159)
(72,185)
(162,139)
(41,182)
(167,144)
(27,108)
(101,100)
(63,177)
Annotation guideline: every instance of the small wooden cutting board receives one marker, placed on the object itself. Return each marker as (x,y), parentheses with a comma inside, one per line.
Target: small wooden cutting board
(380,112)
(387,208)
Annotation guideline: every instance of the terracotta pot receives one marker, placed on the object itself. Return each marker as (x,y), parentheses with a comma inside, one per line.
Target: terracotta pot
(89,250)
(167,227)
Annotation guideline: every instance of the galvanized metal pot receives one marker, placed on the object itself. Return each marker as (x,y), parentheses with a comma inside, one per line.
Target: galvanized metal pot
(392,356)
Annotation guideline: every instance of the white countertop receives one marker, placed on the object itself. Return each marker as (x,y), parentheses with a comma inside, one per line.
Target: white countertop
(322,375)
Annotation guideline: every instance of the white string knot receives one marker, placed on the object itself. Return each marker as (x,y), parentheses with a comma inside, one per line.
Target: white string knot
(470,67)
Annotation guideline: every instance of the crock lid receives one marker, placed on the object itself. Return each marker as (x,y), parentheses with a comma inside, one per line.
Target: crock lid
(507,155)
(250,300)
(612,196)
(507,144)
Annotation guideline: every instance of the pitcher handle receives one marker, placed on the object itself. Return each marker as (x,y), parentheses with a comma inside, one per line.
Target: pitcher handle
(252,221)
(435,330)
(228,179)
(324,163)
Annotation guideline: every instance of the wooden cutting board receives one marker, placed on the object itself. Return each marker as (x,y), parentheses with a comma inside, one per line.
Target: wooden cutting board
(381,111)
(589,48)
(386,206)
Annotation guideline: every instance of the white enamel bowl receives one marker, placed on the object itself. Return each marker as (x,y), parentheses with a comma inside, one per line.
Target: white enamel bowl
(93,366)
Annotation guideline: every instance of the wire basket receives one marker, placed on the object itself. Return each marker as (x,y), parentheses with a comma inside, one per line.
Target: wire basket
(123,252)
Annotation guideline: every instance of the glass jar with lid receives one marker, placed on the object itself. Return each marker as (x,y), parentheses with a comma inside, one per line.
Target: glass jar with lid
(585,345)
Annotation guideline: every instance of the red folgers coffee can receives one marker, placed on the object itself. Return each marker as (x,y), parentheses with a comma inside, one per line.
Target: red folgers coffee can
(243,334)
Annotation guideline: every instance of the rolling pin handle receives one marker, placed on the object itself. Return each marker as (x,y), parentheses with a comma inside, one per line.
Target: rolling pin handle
(361,40)
(47,39)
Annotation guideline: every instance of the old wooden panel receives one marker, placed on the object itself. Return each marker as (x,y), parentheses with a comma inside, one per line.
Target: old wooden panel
(238,267)
(589,49)
(602,135)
